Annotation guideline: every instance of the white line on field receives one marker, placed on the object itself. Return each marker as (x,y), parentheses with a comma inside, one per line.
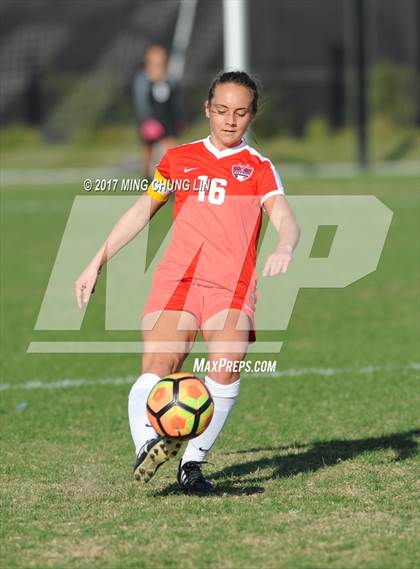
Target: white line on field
(119,347)
(293,372)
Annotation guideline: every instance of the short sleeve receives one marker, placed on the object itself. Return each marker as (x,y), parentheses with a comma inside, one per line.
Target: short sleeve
(161,187)
(268,182)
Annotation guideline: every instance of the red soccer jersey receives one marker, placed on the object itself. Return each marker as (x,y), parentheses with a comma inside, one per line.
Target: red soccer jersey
(219,196)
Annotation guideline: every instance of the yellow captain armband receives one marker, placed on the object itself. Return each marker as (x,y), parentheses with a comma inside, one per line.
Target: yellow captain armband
(160,188)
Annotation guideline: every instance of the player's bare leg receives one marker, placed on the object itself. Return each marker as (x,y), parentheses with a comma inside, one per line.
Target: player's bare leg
(226,335)
(224,345)
(168,337)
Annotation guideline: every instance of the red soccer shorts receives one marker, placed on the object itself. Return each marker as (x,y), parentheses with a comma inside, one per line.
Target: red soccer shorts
(200,300)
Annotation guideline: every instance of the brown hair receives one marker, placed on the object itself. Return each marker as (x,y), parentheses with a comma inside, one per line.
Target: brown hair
(238,78)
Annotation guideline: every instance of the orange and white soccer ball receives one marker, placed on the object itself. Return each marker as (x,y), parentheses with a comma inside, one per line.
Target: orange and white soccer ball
(180,406)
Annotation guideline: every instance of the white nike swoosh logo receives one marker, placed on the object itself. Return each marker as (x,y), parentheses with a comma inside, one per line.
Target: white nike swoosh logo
(189,169)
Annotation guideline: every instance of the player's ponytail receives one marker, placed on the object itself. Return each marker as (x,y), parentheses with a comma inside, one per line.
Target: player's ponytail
(238,78)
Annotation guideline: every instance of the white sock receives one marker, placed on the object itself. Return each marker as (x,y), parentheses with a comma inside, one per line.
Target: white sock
(224,397)
(141,429)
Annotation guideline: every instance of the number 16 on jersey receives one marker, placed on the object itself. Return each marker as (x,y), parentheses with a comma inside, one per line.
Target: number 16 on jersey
(216,191)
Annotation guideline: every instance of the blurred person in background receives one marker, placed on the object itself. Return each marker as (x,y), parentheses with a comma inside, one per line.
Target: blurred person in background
(158,106)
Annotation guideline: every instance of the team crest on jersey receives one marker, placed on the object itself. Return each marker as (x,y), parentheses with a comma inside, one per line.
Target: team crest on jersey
(242,172)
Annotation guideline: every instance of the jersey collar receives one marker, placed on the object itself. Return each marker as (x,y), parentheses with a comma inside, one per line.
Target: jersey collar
(222,153)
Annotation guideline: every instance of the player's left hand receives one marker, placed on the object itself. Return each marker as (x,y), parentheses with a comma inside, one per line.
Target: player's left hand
(278,261)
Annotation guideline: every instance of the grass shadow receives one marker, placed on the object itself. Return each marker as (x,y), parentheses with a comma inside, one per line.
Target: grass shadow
(222,489)
(319,455)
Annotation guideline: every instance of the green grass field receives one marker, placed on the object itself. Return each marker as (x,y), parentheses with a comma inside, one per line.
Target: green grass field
(314,470)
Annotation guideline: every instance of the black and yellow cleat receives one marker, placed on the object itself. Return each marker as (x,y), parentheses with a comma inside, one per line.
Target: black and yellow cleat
(152,455)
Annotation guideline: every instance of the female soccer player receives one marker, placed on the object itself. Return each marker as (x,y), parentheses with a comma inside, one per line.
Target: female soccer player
(206,280)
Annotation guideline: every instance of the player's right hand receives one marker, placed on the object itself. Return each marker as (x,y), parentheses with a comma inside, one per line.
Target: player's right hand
(85,285)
